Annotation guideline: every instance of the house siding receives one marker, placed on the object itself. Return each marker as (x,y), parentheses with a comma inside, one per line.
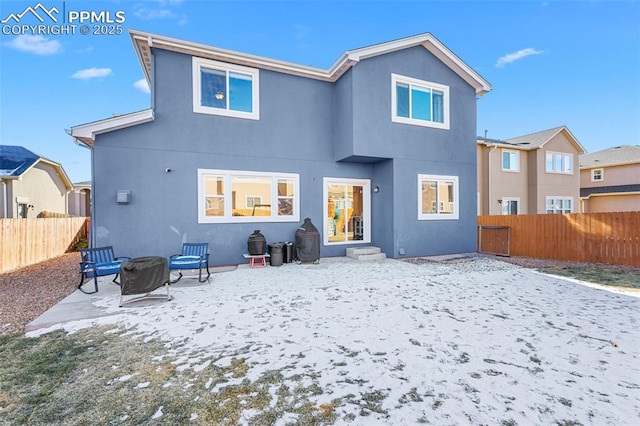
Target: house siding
(43,187)
(305,125)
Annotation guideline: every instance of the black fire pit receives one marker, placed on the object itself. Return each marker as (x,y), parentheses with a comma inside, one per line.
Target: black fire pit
(143,275)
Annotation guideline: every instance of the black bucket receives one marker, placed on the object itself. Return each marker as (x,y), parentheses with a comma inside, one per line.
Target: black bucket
(275,254)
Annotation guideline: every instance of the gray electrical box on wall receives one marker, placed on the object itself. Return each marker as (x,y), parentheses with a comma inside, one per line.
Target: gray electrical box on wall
(123,196)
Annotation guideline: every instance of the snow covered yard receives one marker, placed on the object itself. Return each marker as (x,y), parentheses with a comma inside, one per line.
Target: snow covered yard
(475,342)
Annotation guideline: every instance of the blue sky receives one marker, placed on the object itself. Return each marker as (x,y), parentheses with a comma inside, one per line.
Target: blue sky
(551,63)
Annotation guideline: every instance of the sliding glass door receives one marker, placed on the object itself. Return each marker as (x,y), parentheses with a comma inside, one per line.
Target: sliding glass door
(347,211)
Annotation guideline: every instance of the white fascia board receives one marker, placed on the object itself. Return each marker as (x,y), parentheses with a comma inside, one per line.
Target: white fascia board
(87,132)
(143,40)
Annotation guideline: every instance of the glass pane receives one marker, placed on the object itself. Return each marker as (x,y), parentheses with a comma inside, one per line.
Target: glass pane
(446,197)
(420,103)
(438,106)
(240,92)
(429,197)
(285,206)
(354,213)
(557,163)
(568,166)
(215,206)
(213,88)
(214,185)
(248,189)
(402,100)
(505,161)
(285,187)
(335,206)
(549,162)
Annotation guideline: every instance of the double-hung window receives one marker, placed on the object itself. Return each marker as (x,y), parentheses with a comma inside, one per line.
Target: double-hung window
(225,89)
(510,161)
(557,162)
(226,196)
(597,175)
(437,197)
(419,102)
(559,204)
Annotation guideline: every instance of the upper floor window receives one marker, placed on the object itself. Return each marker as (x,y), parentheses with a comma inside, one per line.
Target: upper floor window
(557,162)
(225,89)
(419,102)
(437,197)
(597,175)
(226,196)
(510,160)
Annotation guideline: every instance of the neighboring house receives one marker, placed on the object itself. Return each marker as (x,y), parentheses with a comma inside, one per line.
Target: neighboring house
(530,174)
(610,180)
(377,150)
(79,200)
(31,184)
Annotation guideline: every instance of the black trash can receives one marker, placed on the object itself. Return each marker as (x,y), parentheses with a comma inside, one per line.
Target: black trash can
(275,254)
(287,248)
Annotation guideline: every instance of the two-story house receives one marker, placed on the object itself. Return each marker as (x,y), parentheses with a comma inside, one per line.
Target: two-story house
(31,184)
(530,174)
(610,180)
(377,150)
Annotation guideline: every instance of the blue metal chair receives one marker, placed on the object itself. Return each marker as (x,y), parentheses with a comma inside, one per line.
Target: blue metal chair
(193,256)
(98,262)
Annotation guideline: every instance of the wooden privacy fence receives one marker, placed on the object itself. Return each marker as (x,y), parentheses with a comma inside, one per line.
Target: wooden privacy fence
(612,238)
(24,242)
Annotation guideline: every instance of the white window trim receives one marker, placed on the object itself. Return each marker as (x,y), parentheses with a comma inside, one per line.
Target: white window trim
(516,199)
(510,151)
(558,197)
(199,63)
(396,78)
(456,198)
(366,206)
(601,175)
(561,172)
(228,216)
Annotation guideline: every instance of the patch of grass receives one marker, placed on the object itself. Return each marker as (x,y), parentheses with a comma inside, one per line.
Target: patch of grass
(615,276)
(101,376)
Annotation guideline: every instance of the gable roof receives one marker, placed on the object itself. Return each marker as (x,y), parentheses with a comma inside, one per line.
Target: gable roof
(615,156)
(535,140)
(15,161)
(143,42)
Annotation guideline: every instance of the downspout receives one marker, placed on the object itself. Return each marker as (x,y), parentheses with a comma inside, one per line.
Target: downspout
(495,146)
(92,223)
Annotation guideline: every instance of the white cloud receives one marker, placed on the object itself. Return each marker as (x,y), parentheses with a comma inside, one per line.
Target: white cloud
(89,73)
(35,44)
(512,57)
(142,85)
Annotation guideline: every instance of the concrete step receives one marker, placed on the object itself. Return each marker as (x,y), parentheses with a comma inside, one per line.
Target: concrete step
(356,251)
(370,257)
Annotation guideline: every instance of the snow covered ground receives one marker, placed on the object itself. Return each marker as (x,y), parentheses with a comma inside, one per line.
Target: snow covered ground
(473,342)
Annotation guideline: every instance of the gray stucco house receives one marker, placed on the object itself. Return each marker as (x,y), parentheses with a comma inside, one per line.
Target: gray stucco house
(380,149)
